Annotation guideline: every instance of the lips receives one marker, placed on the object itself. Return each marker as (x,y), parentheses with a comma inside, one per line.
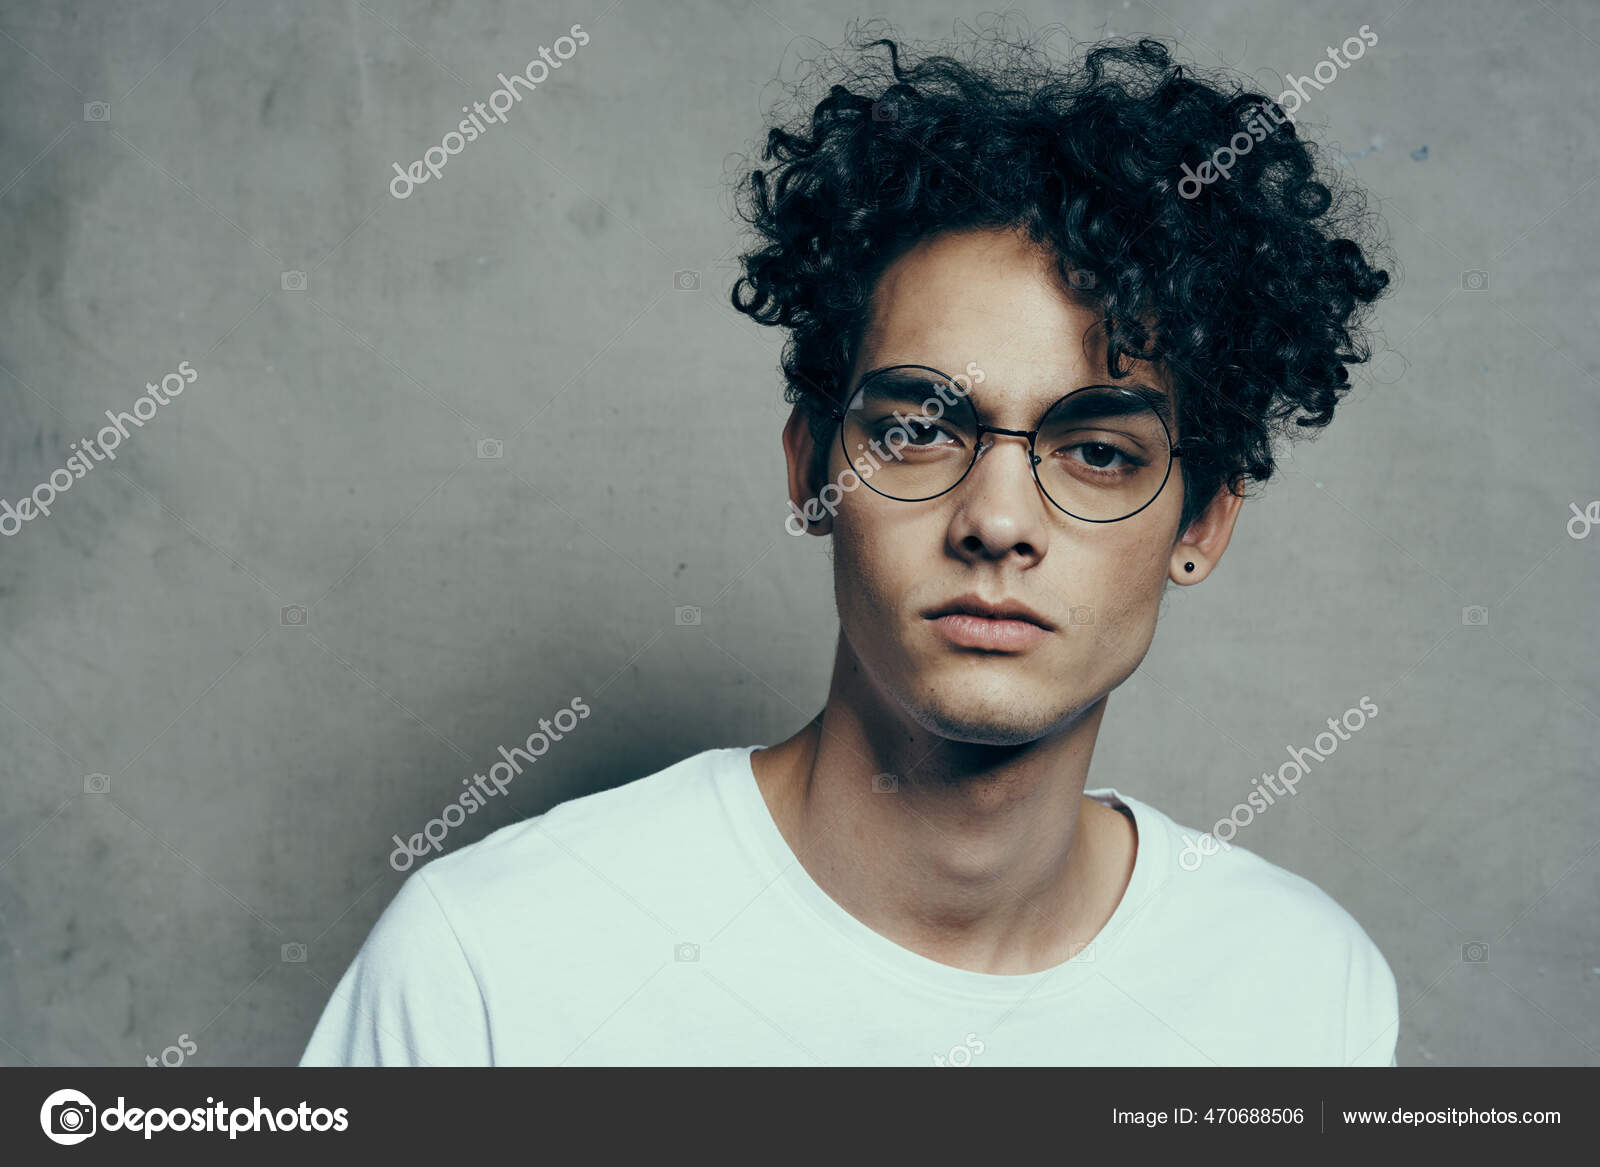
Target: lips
(999,626)
(976,606)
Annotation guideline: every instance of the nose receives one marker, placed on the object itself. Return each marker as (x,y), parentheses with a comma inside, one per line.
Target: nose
(999,508)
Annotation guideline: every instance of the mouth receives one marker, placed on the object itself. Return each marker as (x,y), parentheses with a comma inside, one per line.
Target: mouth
(1000,626)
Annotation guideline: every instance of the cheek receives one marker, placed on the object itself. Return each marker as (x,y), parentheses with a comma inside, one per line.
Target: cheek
(865,547)
(875,555)
(1132,579)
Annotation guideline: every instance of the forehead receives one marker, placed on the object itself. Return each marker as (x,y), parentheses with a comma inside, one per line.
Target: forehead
(992,298)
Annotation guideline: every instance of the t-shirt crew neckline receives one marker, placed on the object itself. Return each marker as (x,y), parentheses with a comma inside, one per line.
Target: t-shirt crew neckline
(755,821)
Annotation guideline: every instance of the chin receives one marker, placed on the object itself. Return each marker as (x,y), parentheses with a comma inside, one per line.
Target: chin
(990,715)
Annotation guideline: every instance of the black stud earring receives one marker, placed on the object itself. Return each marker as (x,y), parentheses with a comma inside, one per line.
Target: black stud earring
(1188,567)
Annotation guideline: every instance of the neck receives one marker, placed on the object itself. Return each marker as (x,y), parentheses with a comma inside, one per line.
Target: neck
(983,857)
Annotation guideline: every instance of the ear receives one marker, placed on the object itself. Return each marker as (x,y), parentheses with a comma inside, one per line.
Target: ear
(1207,537)
(807,514)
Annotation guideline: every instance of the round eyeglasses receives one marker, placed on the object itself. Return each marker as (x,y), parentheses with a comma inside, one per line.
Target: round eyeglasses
(1102,453)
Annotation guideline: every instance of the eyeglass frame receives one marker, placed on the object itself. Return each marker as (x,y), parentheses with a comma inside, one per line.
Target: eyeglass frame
(1174,449)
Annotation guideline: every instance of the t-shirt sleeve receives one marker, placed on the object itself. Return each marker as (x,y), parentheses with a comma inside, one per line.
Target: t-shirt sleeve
(1372,1011)
(410,996)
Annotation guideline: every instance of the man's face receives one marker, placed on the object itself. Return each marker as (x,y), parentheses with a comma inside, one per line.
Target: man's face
(988,298)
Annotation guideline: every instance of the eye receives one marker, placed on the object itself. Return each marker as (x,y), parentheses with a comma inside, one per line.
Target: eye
(1099,454)
(920,433)
(1101,458)
(924,432)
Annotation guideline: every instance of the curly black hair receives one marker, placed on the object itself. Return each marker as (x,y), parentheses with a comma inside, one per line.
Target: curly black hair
(1249,291)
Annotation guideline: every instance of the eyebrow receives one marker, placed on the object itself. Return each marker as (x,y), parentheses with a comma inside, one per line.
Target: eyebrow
(900,376)
(1156,399)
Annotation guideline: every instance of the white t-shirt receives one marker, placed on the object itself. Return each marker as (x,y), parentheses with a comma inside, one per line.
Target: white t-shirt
(667,922)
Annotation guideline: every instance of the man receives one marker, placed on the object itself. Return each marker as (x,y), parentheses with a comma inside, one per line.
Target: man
(1034,375)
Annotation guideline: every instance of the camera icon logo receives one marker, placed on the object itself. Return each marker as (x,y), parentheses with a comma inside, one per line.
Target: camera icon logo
(885,783)
(67,1117)
(686,281)
(685,952)
(292,953)
(1475,952)
(1475,281)
(293,281)
(884,111)
(1082,279)
(97,784)
(97,111)
(1081,614)
(686,616)
(1475,615)
(491,448)
(294,616)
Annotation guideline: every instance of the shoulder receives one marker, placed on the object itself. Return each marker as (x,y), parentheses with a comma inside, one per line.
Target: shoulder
(1242,888)
(410,997)
(463,926)
(654,848)
(613,828)
(1247,915)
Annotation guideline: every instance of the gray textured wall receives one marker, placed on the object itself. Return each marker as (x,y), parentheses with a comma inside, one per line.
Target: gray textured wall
(327,457)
